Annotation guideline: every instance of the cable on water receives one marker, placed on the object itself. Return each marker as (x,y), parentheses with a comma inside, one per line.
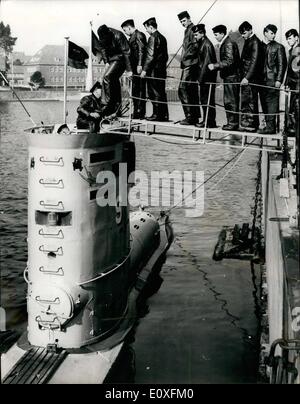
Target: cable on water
(229,170)
(210,177)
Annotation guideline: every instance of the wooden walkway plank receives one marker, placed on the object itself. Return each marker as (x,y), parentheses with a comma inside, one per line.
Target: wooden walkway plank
(36,366)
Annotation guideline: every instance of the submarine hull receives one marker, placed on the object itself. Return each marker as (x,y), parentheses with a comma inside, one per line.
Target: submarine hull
(24,363)
(88,262)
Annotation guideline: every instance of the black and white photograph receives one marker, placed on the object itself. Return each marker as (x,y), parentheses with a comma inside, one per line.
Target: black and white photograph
(149,204)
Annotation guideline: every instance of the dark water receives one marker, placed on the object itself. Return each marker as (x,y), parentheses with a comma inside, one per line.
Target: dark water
(200,327)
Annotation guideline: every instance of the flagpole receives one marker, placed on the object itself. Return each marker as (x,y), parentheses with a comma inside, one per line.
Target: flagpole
(65,78)
(89,74)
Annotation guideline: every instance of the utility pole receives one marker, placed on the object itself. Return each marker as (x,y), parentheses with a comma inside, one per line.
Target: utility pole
(66,78)
(12,69)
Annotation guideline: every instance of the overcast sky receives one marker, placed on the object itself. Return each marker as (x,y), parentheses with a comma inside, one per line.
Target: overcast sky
(40,22)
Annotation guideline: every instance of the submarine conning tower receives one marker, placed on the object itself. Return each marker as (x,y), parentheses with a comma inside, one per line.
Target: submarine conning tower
(78,252)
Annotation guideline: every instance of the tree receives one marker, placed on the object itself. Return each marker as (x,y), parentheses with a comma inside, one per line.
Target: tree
(6,42)
(18,62)
(37,80)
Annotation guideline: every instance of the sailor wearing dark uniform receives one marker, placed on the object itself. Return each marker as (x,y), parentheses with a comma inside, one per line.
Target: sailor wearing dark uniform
(115,52)
(229,71)
(188,90)
(90,110)
(155,68)
(137,44)
(251,72)
(292,81)
(206,56)
(274,64)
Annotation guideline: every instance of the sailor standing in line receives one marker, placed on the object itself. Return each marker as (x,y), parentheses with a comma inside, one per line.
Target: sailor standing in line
(90,110)
(137,43)
(273,74)
(188,90)
(229,71)
(155,67)
(115,52)
(206,56)
(251,71)
(292,81)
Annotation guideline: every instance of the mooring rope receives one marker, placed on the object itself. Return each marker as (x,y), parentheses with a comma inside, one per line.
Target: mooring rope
(210,177)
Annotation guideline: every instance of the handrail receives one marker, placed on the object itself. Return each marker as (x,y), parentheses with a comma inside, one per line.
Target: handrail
(216,83)
(209,106)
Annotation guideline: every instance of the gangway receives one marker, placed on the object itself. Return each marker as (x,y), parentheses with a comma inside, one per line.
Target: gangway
(173,131)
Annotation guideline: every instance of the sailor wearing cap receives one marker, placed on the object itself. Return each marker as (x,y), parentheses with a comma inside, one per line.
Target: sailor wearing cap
(137,44)
(90,110)
(188,90)
(275,64)
(155,68)
(206,56)
(63,129)
(115,52)
(251,72)
(229,66)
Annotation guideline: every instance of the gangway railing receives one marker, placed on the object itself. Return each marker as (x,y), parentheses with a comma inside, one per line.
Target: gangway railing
(206,134)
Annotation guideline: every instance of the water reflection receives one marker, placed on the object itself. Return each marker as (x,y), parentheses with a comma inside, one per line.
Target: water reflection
(124,369)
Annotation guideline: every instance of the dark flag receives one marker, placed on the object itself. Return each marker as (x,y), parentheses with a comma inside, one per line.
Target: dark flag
(95,44)
(77,56)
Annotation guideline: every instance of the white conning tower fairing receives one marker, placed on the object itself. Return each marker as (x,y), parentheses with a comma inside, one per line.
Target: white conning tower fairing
(78,265)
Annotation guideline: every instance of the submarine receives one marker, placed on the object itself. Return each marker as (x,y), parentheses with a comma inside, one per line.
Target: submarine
(88,264)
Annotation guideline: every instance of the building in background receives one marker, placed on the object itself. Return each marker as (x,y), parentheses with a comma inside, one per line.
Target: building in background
(20,58)
(15,76)
(49,61)
(173,72)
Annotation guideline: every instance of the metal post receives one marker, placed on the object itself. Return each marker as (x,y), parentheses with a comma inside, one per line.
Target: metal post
(284,164)
(130,104)
(243,140)
(65,78)
(240,106)
(288,109)
(278,116)
(207,108)
(12,70)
